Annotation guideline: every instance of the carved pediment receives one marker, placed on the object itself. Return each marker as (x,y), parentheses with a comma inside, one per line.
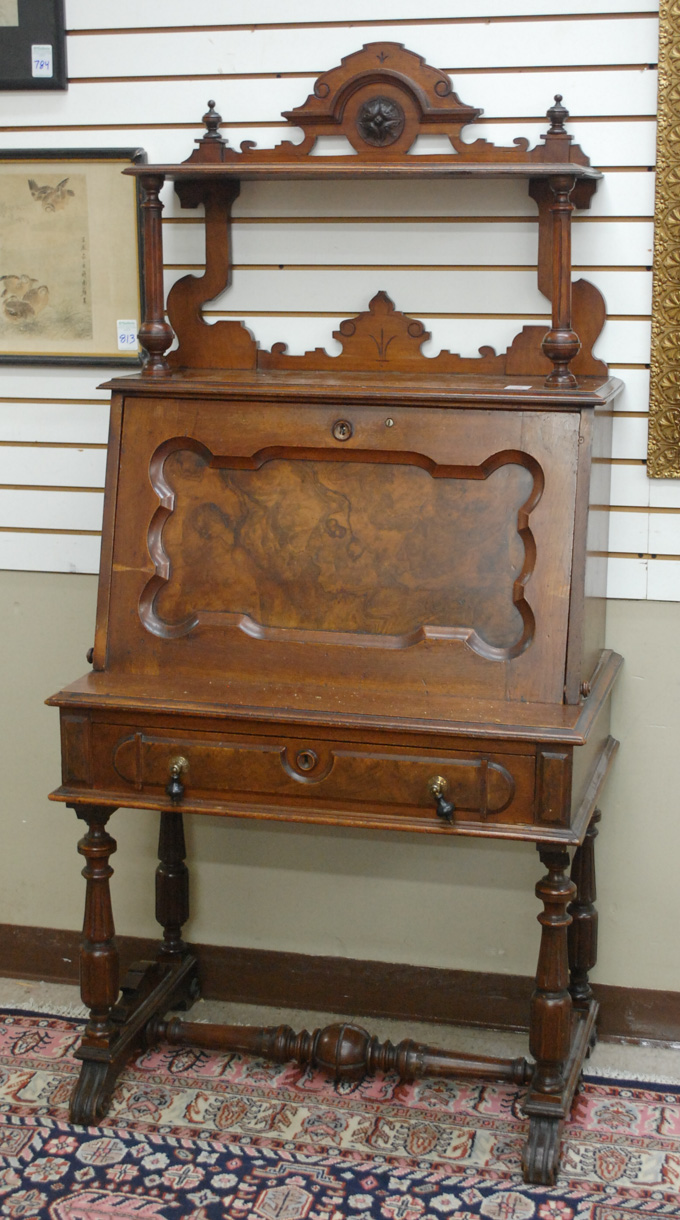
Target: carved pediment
(381,99)
(382,340)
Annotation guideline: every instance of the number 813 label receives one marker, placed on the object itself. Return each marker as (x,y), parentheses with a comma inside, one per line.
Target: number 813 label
(127,334)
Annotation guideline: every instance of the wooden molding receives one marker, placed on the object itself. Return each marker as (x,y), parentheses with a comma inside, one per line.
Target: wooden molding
(343,985)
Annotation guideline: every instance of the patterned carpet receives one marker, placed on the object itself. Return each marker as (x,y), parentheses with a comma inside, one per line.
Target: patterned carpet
(199,1136)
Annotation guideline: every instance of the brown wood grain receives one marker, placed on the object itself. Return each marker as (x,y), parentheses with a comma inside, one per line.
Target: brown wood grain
(352,591)
(347,546)
(397,554)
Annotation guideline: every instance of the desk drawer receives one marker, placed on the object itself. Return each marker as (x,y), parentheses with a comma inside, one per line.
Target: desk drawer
(349,780)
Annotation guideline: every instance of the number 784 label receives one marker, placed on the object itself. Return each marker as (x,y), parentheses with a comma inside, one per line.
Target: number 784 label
(41,61)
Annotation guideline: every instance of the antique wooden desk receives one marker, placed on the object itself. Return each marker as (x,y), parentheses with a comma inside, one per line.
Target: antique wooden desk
(354,589)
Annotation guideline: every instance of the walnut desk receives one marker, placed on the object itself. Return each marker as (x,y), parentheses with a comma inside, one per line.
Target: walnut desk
(353,590)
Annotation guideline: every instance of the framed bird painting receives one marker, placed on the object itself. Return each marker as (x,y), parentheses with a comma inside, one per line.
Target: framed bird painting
(70,257)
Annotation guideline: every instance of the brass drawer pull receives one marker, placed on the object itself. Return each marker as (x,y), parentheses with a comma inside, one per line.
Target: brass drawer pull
(437,788)
(174,786)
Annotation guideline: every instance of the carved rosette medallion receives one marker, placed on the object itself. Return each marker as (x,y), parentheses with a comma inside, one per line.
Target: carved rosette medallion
(663,459)
(380,121)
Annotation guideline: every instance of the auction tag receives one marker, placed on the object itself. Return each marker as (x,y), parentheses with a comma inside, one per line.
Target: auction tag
(41,61)
(127,334)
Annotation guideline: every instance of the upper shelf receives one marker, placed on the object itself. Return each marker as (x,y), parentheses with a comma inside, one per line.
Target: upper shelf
(381,99)
(317,168)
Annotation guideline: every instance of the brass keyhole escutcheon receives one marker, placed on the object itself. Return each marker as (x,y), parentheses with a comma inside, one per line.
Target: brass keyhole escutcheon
(306,760)
(342,430)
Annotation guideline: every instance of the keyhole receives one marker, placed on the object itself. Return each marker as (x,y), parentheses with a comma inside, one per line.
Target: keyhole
(306,760)
(342,430)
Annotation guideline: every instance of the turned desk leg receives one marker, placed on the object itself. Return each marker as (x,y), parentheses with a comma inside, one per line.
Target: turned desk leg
(117,1023)
(172,883)
(550,1034)
(172,900)
(98,952)
(583,928)
(98,966)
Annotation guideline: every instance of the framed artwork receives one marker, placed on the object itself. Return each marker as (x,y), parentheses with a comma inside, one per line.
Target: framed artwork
(32,44)
(70,257)
(663,455)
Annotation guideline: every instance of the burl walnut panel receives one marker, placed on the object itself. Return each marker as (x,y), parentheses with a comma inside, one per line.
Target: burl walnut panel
(300,545)
(431,554)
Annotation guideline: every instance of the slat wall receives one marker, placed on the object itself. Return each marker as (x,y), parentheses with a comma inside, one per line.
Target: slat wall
(463,258)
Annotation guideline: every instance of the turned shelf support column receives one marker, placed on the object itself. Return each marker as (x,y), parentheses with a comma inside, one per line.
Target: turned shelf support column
(551,1005)
(98,951)
(155,334)
(561,343)
(582,933)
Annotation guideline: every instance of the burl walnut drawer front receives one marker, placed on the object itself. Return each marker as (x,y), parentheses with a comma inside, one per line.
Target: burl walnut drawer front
(334,777)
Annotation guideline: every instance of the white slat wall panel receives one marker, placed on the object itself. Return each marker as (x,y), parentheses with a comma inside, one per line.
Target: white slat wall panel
(236,52)
(463,258)
(439,291)
(248,100)
(507,242)
(137,14)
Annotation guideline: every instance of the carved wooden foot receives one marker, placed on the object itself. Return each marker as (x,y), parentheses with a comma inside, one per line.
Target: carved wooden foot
(92,1093)
(541,1153)
(347,1052)
(148,988)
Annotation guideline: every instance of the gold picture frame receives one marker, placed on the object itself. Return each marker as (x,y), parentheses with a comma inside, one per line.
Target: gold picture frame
(663,454)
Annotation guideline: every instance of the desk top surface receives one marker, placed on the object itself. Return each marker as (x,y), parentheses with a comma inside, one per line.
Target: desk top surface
(349,707)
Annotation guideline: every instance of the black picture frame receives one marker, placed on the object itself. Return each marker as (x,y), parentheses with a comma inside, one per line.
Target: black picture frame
(40,23)
(56,164)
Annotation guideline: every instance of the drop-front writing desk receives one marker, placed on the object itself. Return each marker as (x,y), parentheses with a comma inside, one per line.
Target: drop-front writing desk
(353,590)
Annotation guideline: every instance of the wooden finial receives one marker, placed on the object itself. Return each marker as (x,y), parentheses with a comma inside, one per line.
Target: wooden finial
(212,121)
(211,145)
(558,114)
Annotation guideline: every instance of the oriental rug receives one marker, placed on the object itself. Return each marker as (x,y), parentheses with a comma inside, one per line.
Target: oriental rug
(193,1135)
